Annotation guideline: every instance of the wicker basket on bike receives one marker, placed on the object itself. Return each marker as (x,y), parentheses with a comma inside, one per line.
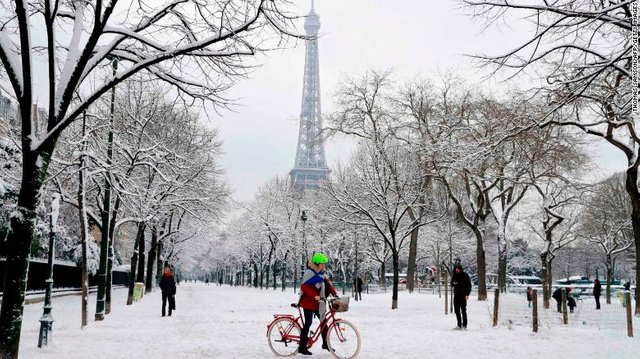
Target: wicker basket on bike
(340,304)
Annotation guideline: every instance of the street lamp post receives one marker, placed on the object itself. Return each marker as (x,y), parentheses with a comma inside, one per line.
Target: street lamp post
(46,321)
(304,217)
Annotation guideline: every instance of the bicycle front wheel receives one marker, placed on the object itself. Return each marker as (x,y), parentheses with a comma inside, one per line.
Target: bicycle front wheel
(343,340)
(284,336)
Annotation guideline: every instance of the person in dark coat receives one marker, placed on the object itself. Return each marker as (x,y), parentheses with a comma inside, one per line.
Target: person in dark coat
(529,296)
(571,300)
(557,295)
(461,285)
(313,290)
(168,287)
(597,290)
(358,288)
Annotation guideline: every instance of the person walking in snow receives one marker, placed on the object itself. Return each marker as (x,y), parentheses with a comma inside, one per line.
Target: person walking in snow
(529,295)
(313,293)
(571,300)
(597,290)
(557,295)
(461,285)
(168,287)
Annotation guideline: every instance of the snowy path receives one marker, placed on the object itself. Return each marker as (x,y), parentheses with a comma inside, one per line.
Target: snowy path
(224,322)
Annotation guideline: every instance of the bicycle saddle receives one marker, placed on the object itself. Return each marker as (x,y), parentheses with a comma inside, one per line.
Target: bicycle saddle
(295,305)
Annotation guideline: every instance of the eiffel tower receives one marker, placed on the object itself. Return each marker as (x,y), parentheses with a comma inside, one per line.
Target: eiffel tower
(311,166)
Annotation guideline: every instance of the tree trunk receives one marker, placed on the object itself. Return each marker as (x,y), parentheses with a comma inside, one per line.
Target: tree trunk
(482,266)
(106,214)
(275,274)
(17,246)
(151,261)
(104,250)
(159,263)
(637,245)
(141,260)
(396,280)
(261,275)
(344,274)
(84,233)
(356,275)
(134,261)
(609,277)
(413,252)
(255,277)
(502,258)
(550,276)
(502,272)
(383,275)
(631,186)
(112,226)
(17,266)
(546,290)
(284,273)
(109,277)
(295,275)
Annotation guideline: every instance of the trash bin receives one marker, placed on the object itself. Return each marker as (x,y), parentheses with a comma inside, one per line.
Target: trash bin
(138,291)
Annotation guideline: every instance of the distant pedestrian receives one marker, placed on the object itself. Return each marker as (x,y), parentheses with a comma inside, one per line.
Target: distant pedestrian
(219,281)
(626,287)
(529,296)
(597,290)
(571,300)
(359,288)
(557,295)
(461,285)
(168,287)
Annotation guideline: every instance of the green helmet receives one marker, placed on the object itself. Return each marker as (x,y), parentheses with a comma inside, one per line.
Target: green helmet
(319,258)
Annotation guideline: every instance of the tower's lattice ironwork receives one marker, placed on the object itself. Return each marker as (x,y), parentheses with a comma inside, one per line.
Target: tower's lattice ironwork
(311,166)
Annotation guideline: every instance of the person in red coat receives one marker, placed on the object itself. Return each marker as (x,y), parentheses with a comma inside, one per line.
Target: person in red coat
(168,287)
(313,292)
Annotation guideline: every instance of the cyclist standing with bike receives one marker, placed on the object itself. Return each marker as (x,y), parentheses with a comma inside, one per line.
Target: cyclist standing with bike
(313,289)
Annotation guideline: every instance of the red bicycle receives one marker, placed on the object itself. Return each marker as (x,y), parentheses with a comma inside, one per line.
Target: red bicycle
(343,338)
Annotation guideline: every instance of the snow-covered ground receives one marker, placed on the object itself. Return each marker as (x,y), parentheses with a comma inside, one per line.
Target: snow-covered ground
(225,322)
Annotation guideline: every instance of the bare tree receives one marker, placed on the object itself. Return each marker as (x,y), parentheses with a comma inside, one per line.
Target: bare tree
(606,223)
(376,191)
(583,51)
(559,214)
(200,47)
(368,110)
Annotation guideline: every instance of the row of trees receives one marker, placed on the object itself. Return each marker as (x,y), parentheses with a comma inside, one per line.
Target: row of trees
(140,172)
(436,161)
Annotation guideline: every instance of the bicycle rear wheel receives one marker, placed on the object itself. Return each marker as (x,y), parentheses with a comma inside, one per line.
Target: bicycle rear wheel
(284,336)
(343,340)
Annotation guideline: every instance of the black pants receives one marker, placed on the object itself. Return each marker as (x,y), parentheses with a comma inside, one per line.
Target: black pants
(172,303)
(460,307)
(559,306)
(308,320)
(597,302)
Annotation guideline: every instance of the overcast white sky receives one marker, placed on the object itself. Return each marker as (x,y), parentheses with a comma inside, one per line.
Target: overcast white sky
(412,37)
